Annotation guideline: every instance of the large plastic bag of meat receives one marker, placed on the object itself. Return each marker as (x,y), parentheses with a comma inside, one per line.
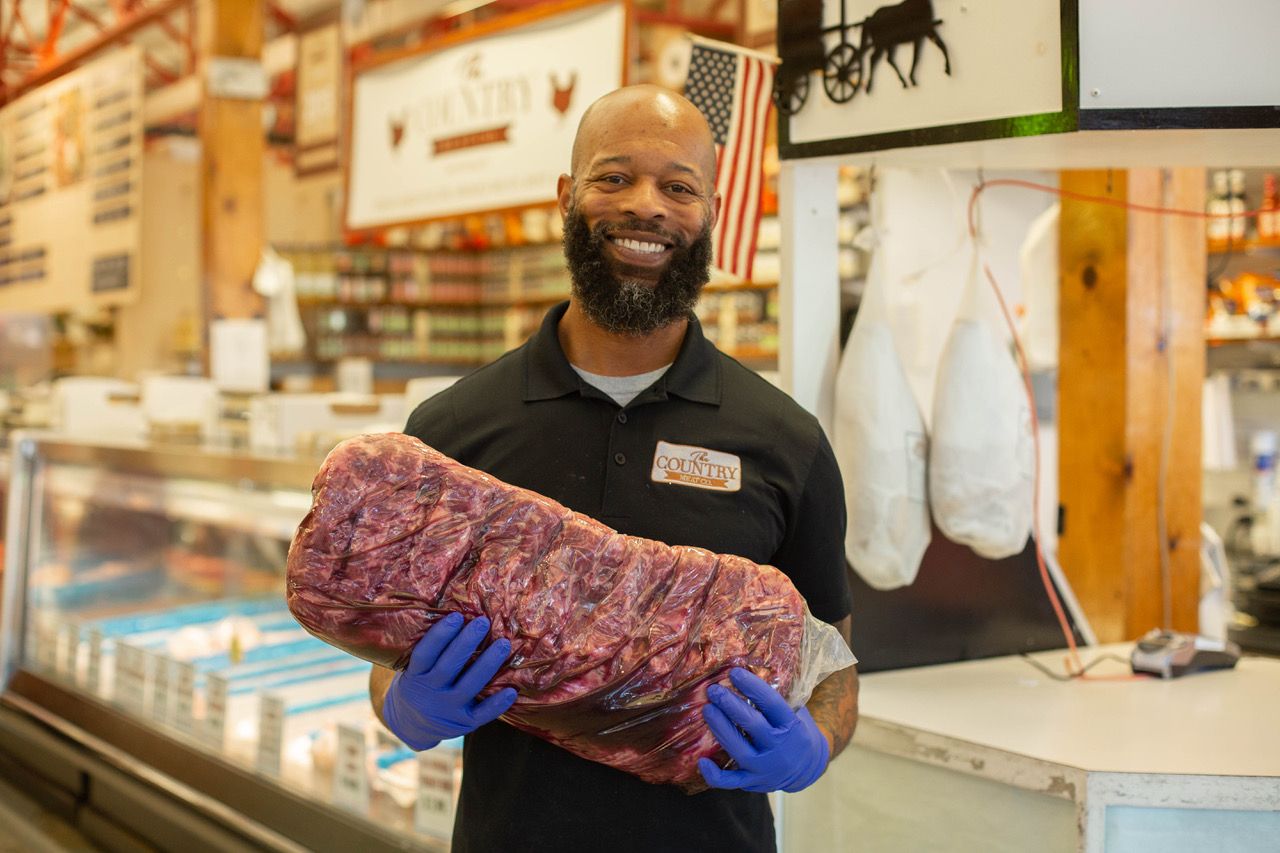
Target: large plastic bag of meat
(614,638)
(881,446)
(981,458)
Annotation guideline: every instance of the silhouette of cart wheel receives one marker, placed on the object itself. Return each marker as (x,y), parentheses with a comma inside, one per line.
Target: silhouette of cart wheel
(842,73)
(790,93)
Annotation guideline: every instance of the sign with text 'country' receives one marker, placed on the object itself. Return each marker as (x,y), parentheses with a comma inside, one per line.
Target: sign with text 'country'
(484,125)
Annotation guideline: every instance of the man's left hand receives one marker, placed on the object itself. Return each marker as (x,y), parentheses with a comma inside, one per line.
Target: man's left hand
(782,750)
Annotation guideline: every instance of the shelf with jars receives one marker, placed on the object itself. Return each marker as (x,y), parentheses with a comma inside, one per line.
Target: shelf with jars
(467,307)
(410,304)
(1243,238)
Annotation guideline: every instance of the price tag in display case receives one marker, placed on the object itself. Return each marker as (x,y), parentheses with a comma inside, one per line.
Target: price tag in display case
(68,650)
(437,776)
(184,694)
(46,645)
(93,669)
(350,772)
(131,678)
(161,689)
(270,733)
(215,711)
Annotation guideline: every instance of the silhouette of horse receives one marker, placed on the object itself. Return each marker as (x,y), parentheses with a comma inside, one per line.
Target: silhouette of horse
(889,26)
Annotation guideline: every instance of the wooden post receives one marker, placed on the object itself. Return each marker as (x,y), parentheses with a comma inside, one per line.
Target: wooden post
(1132,322)
(231,137)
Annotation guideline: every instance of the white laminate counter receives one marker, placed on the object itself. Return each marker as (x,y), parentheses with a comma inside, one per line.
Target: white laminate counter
(994,755)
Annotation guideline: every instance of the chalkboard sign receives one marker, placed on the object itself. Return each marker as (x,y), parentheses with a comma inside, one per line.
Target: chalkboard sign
(110,273)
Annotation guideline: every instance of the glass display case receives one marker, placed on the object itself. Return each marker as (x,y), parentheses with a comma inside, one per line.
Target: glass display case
(145,635)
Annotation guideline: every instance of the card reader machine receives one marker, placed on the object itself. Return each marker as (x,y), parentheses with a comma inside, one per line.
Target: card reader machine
(1170,654)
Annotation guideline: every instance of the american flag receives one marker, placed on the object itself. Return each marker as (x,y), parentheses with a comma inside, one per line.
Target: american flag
(733,91)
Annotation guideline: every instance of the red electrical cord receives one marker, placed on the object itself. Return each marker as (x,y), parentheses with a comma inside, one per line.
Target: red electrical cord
(1072,661)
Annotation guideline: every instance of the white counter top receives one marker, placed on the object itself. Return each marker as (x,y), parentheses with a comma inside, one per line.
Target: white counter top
(1221,723)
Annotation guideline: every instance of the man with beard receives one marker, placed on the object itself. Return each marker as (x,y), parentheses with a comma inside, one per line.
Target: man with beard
(618,389)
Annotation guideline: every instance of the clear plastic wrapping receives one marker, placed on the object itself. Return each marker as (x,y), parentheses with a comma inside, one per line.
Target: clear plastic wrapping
(614,638)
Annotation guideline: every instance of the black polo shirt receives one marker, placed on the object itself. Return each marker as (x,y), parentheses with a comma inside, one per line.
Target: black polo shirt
(765,486)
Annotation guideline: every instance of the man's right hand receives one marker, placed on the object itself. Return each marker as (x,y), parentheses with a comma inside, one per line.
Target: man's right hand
(434,697)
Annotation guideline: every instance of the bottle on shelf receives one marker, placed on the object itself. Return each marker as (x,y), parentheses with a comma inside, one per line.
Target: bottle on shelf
(1269,215)
(1219,208)
(1238,206)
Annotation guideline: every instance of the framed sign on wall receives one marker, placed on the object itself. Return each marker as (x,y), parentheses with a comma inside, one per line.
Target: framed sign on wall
(864,75)
(861,76)
(318,99)
(481,121)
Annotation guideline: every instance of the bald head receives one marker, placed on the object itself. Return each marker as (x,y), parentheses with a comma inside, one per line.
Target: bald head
(645,112)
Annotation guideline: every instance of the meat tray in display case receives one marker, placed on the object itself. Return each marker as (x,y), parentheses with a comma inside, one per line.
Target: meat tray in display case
(156,688)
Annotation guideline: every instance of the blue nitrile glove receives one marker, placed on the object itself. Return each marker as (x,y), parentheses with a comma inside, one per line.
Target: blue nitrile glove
(433,698)
(783,750)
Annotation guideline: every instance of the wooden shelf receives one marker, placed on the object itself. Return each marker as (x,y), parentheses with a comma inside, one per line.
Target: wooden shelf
(443,360)
(1243,247)
(1219,342)
(534,302)
(741,286)
(751,353)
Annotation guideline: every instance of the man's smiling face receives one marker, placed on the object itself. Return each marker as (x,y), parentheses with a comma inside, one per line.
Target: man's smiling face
(639,209)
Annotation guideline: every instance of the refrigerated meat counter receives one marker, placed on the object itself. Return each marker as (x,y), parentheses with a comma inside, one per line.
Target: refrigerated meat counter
(156,690)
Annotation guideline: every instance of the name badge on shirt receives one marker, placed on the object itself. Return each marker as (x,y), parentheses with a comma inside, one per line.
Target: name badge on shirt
(685,465)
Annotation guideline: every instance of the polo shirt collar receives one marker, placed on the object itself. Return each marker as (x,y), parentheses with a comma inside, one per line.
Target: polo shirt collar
(695,374)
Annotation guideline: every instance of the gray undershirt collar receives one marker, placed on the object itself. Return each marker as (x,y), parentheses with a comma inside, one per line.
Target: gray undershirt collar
(623,389)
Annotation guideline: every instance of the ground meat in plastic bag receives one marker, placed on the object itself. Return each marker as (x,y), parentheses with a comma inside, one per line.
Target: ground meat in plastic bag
(614,638)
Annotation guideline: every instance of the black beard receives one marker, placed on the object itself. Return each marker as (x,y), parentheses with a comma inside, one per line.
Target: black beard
(625,306)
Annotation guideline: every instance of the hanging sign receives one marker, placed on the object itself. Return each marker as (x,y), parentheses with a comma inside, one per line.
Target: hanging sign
(861,75)
(319,99)
(481,125)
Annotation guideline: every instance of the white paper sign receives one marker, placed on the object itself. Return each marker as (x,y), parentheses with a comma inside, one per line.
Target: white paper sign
(215,711)
(184,689)
(350,773)
(270,733)
(483,125)
(46,641)
(161,689)
(239,357)
(437,792)
(131,678)
(68,650)
(93,669)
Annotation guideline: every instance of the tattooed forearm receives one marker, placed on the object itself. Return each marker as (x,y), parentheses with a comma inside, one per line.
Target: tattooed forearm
(834,704)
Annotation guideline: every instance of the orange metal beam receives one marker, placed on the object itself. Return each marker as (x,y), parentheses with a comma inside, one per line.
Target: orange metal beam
(57,17)
(128,24)
(86,15)
(17,17)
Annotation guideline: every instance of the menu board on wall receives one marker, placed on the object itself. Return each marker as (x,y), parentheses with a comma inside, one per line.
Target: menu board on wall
(70,187)
(482,125)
